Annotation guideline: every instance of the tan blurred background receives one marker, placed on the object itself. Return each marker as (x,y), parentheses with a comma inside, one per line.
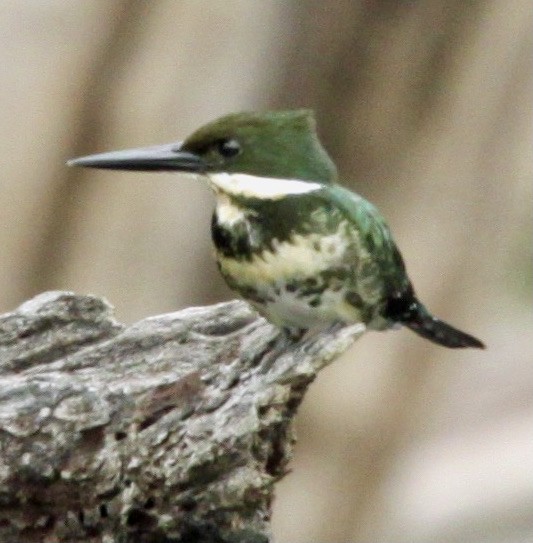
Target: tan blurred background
(425,105)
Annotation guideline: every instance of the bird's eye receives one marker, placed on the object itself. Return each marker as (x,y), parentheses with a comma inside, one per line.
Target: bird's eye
(228,148)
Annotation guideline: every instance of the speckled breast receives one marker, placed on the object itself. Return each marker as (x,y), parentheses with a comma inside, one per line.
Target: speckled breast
(305,280)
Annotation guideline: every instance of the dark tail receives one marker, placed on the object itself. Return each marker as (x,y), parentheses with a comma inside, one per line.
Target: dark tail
(416,317)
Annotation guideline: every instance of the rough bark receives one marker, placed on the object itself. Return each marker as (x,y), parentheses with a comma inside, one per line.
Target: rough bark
(173,429)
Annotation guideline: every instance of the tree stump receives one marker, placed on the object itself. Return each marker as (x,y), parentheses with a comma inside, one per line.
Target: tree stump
(173,429)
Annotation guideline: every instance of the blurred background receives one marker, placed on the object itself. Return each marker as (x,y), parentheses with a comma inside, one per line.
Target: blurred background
(425,106)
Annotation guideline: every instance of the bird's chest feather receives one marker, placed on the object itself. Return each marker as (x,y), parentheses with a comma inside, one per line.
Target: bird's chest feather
(301,278)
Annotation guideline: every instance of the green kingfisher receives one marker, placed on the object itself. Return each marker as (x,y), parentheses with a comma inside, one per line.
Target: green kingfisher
(304,251)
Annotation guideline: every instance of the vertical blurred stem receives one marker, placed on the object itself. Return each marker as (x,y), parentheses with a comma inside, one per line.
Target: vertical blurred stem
(98,81)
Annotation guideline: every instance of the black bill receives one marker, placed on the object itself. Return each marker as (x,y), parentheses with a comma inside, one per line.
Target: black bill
(167,157)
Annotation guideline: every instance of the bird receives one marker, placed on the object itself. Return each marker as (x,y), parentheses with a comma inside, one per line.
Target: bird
(304,251)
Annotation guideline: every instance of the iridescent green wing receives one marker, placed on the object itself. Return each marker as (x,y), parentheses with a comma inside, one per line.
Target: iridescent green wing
(374,234)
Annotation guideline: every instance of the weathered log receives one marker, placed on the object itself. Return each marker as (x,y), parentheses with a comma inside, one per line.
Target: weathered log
(173,429)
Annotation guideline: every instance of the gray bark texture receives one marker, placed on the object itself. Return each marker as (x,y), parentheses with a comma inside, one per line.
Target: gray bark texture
(173,429)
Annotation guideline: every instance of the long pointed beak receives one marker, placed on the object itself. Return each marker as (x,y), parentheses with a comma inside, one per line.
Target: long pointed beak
(167,157)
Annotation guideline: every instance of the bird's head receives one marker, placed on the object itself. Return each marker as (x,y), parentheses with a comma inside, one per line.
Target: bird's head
(277,144)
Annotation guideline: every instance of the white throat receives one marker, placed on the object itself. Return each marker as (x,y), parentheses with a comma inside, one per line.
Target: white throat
(252,186)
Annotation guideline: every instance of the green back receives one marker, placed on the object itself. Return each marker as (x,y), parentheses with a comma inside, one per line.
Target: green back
(374,233)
